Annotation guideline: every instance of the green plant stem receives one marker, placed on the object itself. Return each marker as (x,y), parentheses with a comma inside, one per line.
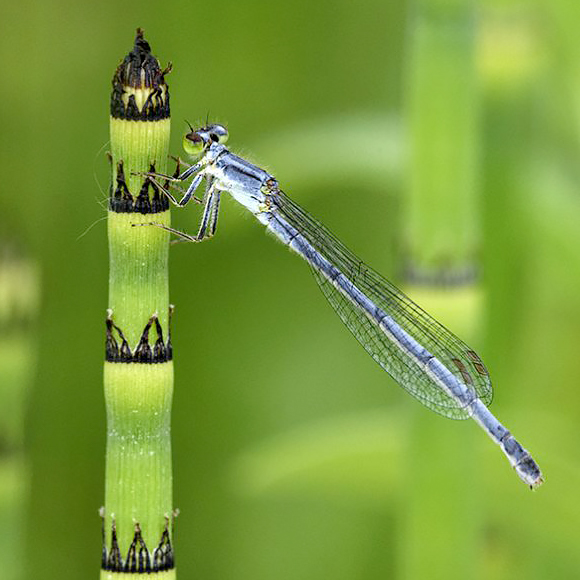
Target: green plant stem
(138,280)
(138,474)
(441,228)
(441,522)
(19,284)
(138,375)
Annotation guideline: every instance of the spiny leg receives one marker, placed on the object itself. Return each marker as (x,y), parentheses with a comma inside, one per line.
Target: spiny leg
(191,190)
(189,193)
(170,196)
(156,178)
(176,174)
(210,196)
(214,214)
(190,171)
(209,216)
(181,177)
(184,237)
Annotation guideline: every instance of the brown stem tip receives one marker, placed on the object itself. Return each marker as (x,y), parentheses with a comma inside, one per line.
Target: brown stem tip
(139,88)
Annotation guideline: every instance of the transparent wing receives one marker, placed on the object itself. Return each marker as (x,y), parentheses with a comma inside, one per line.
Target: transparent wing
(459,358)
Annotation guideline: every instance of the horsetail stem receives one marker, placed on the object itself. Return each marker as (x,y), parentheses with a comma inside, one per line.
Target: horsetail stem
(138,512)
(19,305)
(441,238)
(441,210)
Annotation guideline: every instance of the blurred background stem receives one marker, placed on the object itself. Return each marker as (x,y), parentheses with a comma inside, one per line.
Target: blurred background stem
(19,301)
(441,234)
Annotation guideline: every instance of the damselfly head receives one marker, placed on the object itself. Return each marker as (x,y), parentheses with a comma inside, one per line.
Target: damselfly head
(197,140)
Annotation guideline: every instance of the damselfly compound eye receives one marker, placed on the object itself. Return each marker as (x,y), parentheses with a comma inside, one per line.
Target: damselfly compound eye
(193,143)
(218,133)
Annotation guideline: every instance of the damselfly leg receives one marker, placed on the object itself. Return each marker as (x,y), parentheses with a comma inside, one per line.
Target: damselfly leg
(211,200)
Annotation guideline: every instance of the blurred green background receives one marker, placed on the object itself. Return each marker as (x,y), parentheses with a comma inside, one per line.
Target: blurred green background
(294,455)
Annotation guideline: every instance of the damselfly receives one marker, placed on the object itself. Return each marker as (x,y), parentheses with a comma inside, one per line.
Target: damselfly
(423,356)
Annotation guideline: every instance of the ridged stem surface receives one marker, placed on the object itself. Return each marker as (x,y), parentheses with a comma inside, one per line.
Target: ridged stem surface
(138,374)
